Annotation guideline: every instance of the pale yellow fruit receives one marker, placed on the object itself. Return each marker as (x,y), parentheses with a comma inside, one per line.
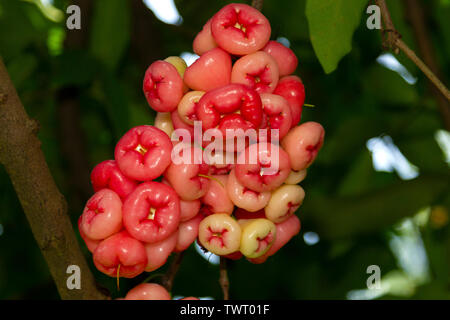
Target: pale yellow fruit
(246,199)
(257,237)
(163,121)
(296,177)
(283,202)
(178,63)
(181,66)
(186,106)
(220,234)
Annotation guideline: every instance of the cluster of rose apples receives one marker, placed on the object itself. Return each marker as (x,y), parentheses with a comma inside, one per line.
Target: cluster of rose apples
(147,205)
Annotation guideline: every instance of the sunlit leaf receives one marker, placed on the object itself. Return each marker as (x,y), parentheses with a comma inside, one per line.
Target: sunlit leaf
(331,27)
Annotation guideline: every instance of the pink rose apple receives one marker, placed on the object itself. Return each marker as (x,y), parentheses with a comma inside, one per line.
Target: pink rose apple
(90,244)
(216,199)
(178,123)
(303,143)
(188,209)
(190,298)
(245,198)
(108,175)
(148,291)
(233,106)
(276,115)
(187,178)
(158,252)
(292,89)
(212,70)
(240,29)
(286,59)
(204,40)
(262,167)
(258,71)
(143,153)
(163,86)
(120,255)
(220,162)
(102,215)
(151,213)
(187,233)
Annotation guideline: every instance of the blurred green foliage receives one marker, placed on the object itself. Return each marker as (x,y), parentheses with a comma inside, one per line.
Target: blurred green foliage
(354,209)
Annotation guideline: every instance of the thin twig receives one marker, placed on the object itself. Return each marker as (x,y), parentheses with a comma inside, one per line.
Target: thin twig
(257,4)
(392,40)
(223,280)
(422,66)
(169,277)
(415,14)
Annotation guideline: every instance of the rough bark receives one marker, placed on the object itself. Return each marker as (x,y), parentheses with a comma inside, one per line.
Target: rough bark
(43,204)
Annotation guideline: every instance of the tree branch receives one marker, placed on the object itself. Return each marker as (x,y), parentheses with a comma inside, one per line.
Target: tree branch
(392,40)
(414,12)
(43,204)
(169,277)
(223,279)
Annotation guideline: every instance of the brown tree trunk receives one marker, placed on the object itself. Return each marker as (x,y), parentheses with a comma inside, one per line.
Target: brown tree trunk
(43,204)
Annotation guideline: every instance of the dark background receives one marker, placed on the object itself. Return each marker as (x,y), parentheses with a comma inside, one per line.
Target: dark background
(84,88)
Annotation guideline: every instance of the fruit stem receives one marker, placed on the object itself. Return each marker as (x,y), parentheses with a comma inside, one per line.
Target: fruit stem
(211,178)
(118,277)
(309,105)
(223,279)
(153,276)
(169,277)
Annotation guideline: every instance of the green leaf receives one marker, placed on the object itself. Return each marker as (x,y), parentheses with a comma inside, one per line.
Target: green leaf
(110,31)
(331,27)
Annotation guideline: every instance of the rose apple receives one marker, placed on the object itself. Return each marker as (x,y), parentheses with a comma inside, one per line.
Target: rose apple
(151,213)
(143,153)
(240,29)
(163,86)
